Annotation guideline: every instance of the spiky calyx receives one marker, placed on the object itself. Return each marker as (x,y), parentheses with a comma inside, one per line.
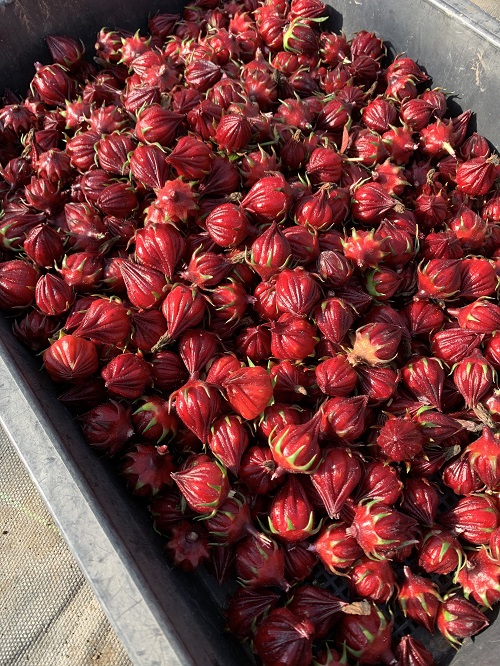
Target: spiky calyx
(382,531)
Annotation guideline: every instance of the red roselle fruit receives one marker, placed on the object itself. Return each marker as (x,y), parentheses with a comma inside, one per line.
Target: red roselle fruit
(269,200)
(291,517)
(247,606)
(106,322)
(147,469)
(440,552)
(458,619)
(484,457)
(480,316)
(145,286)
(380,482)
(480,578)
(232,521)
(322,608)
(420,500)
(346,418)
(203,483)
(152,420)
(295,448)
(260,562)
(400,439)
(474,518)
(188,545)
(460,477)
(425,378)
(227,225)
(127,375)
(270,252)
(197,404)
(248,390)
(372,579)
(183,308)
(376,344)
(70,359)
(228,440)
(159,247)
(336,548)
(283,639)
(17,284)
(382,531)
(335,478)
(473,377)
(336,377)
(411,652)
(367,637)
(419,599)
(107,427)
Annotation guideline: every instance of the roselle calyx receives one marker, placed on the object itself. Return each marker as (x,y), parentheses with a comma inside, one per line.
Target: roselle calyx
(480,578)
(247,607)
(291,517)
(260,562)
(367,637)
(474,518)
(411,652)
(376,344)
(382,531)
(458,619)
(335,478)
(484,457)
(322,608)
(345,418)
(400,439)
(197,404)
(107,427)
(419,599)
(127,375)
(152,420)
(372,579)
(70,359)
(183,308)
(295,448)
(228,440)
(231,522)
(283,639)
(106,322)
(269,200)
(425,378)
(203,483)
(440,552)
(481,316)
(17,284)
(336,547)
(381,482)
(147,469)
(248,391)
(188,545)
(159,247)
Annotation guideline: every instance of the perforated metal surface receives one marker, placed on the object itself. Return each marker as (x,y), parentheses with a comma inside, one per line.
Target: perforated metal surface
(491,7)
(48,613)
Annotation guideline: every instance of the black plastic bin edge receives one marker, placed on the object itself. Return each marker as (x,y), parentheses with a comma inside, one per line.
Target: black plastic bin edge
(162,616)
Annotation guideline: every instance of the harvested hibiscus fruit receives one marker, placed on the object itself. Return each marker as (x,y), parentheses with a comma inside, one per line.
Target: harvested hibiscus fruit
(261,264)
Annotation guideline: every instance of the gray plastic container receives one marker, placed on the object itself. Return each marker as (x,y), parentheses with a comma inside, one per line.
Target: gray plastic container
(162,616)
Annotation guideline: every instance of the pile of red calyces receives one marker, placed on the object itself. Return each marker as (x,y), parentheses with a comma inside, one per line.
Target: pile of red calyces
(261,262)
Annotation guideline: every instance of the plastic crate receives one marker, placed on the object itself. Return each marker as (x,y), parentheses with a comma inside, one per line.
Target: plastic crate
(161,615)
